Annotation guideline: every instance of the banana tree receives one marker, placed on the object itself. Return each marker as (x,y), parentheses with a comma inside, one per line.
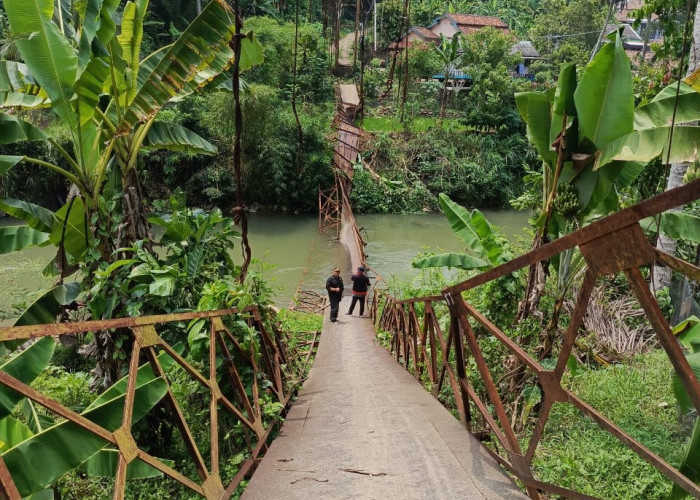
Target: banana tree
(592,142)
(90,72)
(483,250)
(34,447)
(450,56)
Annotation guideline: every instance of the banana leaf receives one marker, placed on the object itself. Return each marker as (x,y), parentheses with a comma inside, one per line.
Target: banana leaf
(36,421)
(474,231)
(8,161)
(604,97)
(18,87)
(25,367)
(36,217)
(75,235)
(51,59)
(690,465)
(14,238)
(676,225)
(130,39)
(688,332)
(104,464)
(39,461)
(458,260)
(659,112)
(645,145)
(173,137)
(12,130)
(194,51)
(46,308)
(12,432)
(564,105)
(534,107)
(144,375)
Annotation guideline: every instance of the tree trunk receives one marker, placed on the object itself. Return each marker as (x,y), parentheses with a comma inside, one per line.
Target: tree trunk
(661,277)
(599,42)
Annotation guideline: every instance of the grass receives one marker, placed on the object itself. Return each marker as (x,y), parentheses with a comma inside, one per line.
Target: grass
(637,397)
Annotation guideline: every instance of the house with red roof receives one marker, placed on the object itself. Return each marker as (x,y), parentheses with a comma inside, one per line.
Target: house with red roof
(448,25)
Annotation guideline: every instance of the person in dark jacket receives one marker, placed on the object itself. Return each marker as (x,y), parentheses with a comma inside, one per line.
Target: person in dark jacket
(335,287)
(360,284)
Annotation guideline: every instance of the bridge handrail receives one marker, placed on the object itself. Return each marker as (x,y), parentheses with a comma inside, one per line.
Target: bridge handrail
(611,245)
(234,399)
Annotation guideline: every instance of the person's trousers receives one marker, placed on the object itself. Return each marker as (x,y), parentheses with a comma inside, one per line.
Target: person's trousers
(355,298)
(335,305)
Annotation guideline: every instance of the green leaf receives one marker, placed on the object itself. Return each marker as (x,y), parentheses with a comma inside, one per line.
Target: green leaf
(460,222)
(534,107)
(36,421)
(25,367)
(46,308)
(202,45)
(48,54)
(458,260)
(12,432)
(36,217)
(564,104)
(194,259)
(252,52)
(605,97)
(684,402)
(18,87)
(660,111)
(7,162)
(130,40)
(690,465)
(679,226)
(76,236)
(12,130)
(90,86)
(144,375)
(163,284)
(104,464)
(13,238)
(39,461)
(688,333)
(645,145)
(173,137)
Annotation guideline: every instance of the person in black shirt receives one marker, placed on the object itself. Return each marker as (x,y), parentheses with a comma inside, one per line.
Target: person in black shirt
(335,287)
(360,284)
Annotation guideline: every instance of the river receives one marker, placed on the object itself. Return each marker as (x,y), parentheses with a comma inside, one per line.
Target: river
(292,250)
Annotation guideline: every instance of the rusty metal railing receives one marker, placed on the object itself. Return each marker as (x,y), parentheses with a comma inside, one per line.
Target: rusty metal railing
(612,245)
(229,392)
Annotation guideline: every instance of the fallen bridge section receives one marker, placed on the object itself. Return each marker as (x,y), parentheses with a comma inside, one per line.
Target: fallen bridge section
(364,428)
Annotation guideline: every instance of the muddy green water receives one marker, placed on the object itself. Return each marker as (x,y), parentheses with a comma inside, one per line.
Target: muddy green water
(289,252)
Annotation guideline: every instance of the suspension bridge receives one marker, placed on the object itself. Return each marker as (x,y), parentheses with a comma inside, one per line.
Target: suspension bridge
(363,426)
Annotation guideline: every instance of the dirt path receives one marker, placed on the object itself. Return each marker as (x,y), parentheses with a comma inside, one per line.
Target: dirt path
(346,44)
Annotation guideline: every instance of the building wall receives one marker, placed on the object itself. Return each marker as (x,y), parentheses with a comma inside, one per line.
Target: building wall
(445,27)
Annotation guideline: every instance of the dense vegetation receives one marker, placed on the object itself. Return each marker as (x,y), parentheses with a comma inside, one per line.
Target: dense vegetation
(95,156)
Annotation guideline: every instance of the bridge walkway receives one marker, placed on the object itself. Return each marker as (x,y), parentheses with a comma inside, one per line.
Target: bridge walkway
(364,428)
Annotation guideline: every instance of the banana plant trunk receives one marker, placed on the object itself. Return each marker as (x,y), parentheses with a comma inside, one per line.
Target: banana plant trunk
(134,226)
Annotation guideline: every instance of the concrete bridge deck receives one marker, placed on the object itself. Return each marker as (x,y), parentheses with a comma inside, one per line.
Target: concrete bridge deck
(364,428)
